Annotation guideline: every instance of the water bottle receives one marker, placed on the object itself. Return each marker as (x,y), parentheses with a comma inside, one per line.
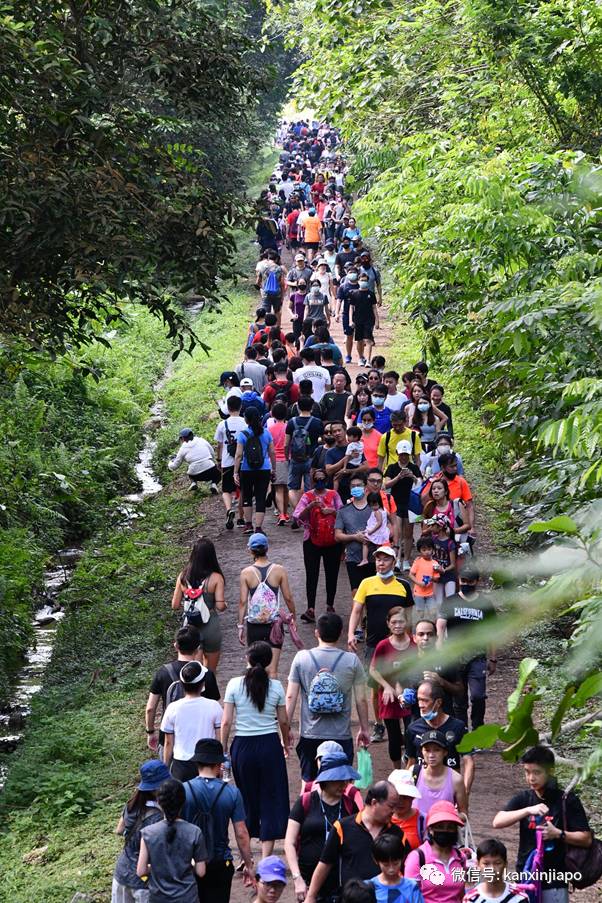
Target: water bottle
(227,769)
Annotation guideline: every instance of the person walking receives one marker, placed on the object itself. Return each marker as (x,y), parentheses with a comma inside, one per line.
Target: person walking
(225,436)
(199,591)
(209,797)
(435,779)
(254,467)
(327,679)
(270,880)
(441,851)
(257,751)
(197,453)
(261,585)
(140,811)
(349,527)
(169,847)
(317,510)
(276,426)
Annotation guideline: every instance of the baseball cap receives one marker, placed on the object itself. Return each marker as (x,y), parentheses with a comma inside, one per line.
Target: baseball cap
(227,374)
(257,541)
(433,737)
(152,774)
(386,550)
(402,448)
(329,748)
(208,752)
(272,869)
(299,256)
(246,382)
(443,810)
(404,784)
(186,433)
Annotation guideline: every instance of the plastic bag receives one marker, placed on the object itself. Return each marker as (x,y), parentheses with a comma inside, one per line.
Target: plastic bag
(364,766)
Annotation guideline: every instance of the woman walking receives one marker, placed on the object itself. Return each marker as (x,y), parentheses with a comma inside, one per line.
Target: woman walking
(254,466)
(384,671)
(200,592)
(168,848)
(257,751)
(140,811)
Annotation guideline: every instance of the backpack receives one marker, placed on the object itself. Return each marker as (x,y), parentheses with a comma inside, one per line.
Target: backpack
(175,690)
(271,286)
(300,442)
(585,861)
(264,605)
(325,696)
(283,392)
(196,611)
(254,455)
(203,819)
(321,526)
(230,440)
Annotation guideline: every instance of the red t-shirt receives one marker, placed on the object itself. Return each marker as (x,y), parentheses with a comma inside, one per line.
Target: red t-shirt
(387,661)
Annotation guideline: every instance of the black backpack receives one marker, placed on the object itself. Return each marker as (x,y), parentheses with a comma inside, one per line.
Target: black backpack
(203,819)
(300,441)
(254,455)
(230,440)
(175,690)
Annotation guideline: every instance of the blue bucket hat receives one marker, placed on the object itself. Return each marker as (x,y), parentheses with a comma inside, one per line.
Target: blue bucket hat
(153,774)
(336,768)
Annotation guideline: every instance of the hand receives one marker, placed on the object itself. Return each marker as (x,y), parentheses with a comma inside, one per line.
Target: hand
(241,635)
(432,676)
(549,831)
(291,739)
(152,740)
(352,644)
(300,889)
(328,511)
(237,479)
(337,318)
(538,809)
(491,667)
(248,877)
(389,696)
(272,476)
(363,738)
(359,537)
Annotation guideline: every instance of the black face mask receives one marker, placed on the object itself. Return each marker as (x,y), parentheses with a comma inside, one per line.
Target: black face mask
(319,484)
(328,440)
(445,839)
(467,590)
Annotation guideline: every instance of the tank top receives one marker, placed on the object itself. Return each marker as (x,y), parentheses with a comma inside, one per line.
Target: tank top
(427,433)
(430,796)
(263,570)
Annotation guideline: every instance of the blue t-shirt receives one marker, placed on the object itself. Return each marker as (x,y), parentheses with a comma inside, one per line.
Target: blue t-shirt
(265,439)
(405,891)
(200,793)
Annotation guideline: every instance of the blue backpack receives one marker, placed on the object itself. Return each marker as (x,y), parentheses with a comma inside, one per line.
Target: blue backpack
(325,695)
(271,286)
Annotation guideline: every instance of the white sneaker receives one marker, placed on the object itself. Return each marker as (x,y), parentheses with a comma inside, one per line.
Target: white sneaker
(192,487)
(213,488)
(406,565)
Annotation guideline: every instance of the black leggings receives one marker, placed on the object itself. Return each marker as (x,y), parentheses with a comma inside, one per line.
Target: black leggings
(331,556)
(255,484)
(395,736)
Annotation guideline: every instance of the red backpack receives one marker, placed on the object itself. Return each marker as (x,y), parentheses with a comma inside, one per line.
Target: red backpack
(321,526)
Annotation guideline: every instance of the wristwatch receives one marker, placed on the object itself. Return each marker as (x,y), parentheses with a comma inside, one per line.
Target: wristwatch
(151,731)
(296,875)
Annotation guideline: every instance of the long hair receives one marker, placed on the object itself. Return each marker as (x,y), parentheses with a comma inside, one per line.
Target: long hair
(137,802)
(253,418)
(418,415)
(171,796)
(201,564)
(256,679)
(431,504)
(356,407)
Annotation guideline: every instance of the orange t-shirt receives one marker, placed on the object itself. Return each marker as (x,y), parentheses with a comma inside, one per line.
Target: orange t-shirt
(313,227)
(371,438)
(422,567)
(410,828)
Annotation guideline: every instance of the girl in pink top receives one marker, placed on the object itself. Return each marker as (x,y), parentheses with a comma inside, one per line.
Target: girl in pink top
(442,882)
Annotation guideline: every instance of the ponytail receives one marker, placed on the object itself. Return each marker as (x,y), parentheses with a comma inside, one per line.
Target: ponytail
(171,797)
(253,418)
(256,679)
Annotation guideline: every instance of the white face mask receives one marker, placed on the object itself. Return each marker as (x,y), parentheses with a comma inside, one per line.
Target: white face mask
(423,406)
(443,449)
(367,426)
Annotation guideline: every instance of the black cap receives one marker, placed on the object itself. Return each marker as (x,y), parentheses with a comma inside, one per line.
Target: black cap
(208,752)
(433,737)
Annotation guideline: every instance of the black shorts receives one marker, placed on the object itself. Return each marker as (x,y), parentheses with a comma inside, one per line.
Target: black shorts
(364,332)
(257,632)
(254,484)
(306,750)
(312,245)
(228,484)
(207,476)
(357,574)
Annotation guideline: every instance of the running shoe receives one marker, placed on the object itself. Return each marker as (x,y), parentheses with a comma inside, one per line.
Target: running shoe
(347,358)
(330,609)
(192,487)
(248,528)
(363,362)
(359,635)
(240,522)
(378,733)
(295,525)
(309,616)
(230,519)
(282,521)
(406,565)
(214,489)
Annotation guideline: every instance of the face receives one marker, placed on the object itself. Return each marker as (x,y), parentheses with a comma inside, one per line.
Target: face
(398,625)
(358,483)
(425,700)
(433,754)
(391,384)
(451,468)
(338,432)
(373,378)
(363,397)
(403,459)
(419,376)
(438,491)
(436,396)
(339,382)
(494,864)
(426,553)
(416,393)
(398,424)
(424,635)
(383,810)
(404,806)
(269,891)
(378,399)
(383,563)
(334,788)
(319,476)
(535,776)
(391,869)
(375,482)
(328,435)
(351,223)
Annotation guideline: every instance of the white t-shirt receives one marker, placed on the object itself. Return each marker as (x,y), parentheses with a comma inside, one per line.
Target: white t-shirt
(191,720)
(396,402)
(320,379)
(235,425)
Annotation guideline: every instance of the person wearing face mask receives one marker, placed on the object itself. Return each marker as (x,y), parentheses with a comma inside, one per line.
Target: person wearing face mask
(439,405)
(459,493)
(348,284)
(364,318)
(458,615)
(382,419)
(370,436)
(440,851)
(430,696)
(444,445)
(435,780)
(427,423)
(349,529)
(316,303)
(345,256)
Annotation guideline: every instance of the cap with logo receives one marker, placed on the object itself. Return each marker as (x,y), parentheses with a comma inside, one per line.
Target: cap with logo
(272,869)
(433,737)
(402,448)
(246,382)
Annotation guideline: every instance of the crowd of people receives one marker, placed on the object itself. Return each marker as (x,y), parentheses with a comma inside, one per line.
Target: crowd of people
(367,469)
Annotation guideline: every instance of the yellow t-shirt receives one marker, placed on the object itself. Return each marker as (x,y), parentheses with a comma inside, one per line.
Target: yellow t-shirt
(388,450)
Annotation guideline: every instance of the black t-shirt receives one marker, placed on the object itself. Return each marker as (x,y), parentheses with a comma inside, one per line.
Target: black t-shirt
(412,676)
(293,411)
(453,730)
(169,673)
(342,258)
(401,491)
(316,825)
(576,820)
(363,304)
(461,612)
(333,406)
(355,852)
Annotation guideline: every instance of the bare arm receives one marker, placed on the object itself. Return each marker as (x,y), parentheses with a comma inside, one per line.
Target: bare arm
(292,697)
(219,591)
(354,621)
(120,826)
(243,842)
(150,713)
(505,819)
(320,875)
(200,868)
(286,592)
(168,748)
(237,462)
(361,704)
(332,469)
(176,599)
(143,867)
(226,724)
(460,792)
(293,830)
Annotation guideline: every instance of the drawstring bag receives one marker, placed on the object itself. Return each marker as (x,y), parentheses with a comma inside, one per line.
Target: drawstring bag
(468,846)
(196,611)
(364,766)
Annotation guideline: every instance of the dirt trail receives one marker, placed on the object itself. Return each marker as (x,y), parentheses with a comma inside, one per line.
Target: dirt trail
(495,781)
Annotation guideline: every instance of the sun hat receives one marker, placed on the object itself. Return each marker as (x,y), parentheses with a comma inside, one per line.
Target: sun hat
(152,774)
(208,752)
(336,768)
(433,737)
(202,674)
(403,447)
(329,748)
(257,541)
(443,810)
(186,433)
(404,784)
(386,550)
(272,869)
(246,382)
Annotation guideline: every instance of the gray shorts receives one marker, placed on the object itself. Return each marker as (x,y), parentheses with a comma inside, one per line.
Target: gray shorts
(281,478)
(211,634)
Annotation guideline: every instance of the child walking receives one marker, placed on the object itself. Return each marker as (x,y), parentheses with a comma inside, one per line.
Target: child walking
(423,573)
(378,531)
(389,852)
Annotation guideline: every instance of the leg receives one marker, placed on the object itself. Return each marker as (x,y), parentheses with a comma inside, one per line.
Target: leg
(365,553)
(408,539)
(273,669)
(331,557)
(267,848)
(212,660)
(395,739)
(311,560)
(477,687)
(216,885)
(460,702)
(360,348)
(349,344)
(246,494)
(261,480)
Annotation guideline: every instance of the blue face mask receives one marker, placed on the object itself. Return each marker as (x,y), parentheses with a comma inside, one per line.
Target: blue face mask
(429,716)
(319,484)
(387,574)
(357,492)
(378,400)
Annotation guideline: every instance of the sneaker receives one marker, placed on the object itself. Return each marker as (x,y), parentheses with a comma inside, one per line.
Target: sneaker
(295,525)
(248,528)
(213,488)
(359,635)
(406,565)
(378,733)
(363,362)
(192,487)
(309,616)
(230,519)
(347,358)
(282,521)
(330,609)
(240,522)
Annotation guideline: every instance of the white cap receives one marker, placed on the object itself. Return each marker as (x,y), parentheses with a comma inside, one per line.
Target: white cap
(404,784)
(246,381)
(402,448)
(386,550)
